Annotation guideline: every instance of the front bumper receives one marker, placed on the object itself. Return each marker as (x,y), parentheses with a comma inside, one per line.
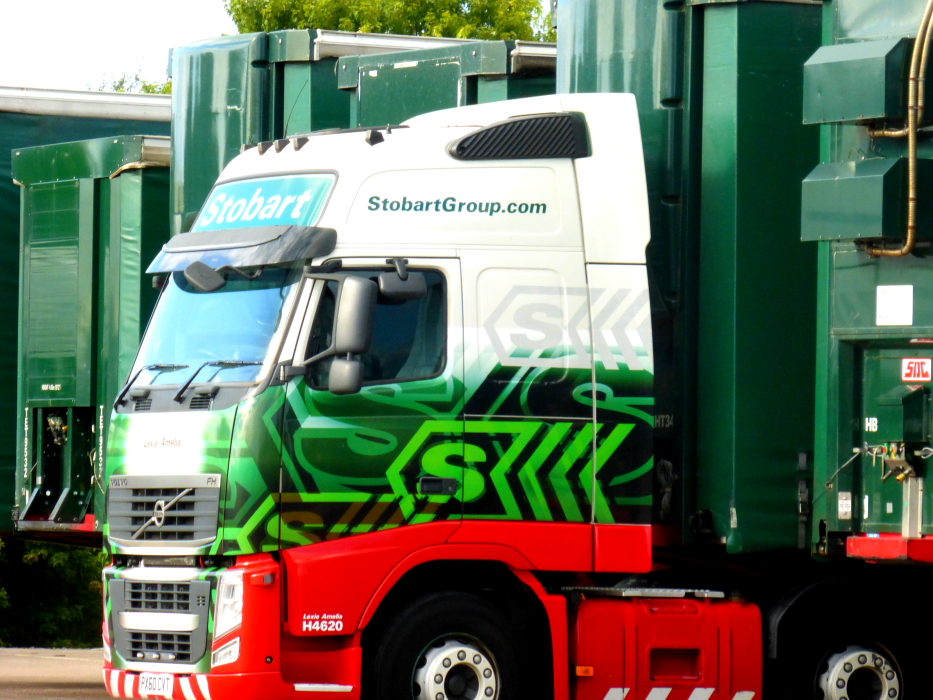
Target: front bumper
(232,686)
(270,665)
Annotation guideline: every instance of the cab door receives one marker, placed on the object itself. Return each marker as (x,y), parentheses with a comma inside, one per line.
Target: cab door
(391,454)
(529,414)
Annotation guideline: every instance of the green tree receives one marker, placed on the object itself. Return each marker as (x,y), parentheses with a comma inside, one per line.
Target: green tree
(50,595)
(464,19)
(134,83)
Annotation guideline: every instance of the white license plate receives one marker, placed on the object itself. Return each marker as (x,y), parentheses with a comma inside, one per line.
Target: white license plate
(157,684)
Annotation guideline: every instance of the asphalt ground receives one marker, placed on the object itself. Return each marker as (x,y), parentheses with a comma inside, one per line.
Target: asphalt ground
(52,674)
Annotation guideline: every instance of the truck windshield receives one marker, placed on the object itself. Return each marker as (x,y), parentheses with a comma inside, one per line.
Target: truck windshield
(235,324)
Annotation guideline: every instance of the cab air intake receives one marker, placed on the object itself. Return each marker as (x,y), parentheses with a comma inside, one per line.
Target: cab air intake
(556,135)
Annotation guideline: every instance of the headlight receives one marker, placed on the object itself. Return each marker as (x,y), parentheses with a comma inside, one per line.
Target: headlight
(227,654)
(228,615)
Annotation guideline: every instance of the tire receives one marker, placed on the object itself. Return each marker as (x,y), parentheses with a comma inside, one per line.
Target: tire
(861,673)
(453,645)
(853,663)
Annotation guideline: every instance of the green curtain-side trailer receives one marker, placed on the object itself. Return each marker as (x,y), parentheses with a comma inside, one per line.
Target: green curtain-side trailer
(93,214)
(719,90)
(32,117)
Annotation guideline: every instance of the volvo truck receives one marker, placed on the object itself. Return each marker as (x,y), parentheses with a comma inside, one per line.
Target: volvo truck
(390,429)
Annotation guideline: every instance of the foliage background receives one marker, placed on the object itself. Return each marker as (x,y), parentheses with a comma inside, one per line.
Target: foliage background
(50,595)
(134,83)
(470,19)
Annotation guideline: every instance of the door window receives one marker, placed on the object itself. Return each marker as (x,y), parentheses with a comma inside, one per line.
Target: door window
(409,337)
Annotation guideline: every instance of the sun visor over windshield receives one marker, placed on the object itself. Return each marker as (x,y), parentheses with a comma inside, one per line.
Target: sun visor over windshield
(260,221)
(292,243)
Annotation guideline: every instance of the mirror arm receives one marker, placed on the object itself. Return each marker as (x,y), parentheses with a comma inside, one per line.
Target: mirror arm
(287,371)
(240,272)
(320,356)
(401,267)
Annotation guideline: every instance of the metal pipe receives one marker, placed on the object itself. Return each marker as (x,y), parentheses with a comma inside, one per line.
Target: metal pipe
(921,79)
(917,56)
(915,104)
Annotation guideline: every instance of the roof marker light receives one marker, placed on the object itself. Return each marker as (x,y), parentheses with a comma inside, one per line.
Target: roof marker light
(280,144)
(264,146)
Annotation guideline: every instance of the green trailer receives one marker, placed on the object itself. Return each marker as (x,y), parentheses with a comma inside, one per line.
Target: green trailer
(31,117)
(93,214)
(874,429)
(719,88)
(441,78)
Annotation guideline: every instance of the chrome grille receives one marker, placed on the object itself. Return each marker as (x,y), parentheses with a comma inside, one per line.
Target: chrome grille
(161,646)
(160,621)
(157,511)
(178,523)
(174,597)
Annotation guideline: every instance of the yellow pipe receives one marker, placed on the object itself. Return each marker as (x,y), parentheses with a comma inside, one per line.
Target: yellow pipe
(915,106)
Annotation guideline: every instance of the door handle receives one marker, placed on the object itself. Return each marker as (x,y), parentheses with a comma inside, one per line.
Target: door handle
(437,486)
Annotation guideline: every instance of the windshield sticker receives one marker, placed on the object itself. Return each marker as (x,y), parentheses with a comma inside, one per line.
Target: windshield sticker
(290,200)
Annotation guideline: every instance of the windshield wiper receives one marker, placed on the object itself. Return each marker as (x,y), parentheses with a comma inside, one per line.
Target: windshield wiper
(180,396)
(121,399)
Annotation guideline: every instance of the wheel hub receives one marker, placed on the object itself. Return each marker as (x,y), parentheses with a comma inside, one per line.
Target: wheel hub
(456,670)
(860,674)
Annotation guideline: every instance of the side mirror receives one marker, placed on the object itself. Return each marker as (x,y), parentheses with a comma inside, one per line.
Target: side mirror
(356,311)
(394,288)
(346,376)
(203,277)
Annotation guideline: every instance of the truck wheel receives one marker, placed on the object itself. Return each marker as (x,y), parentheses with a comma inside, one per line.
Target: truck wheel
(860,673)
(447,646)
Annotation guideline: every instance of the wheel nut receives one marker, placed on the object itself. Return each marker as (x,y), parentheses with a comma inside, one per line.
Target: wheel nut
(892,693)
(840,683)
(461,655)
(439,696)
(889,675)
(862,659)
(446,663)
(477,658)
(489,692)
(487,673)
(847,668)
(438,678)
(879,663)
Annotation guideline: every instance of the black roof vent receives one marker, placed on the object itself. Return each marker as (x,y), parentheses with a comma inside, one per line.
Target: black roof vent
(555,135)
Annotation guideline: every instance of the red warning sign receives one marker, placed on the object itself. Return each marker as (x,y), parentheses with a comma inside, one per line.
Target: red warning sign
(916,369)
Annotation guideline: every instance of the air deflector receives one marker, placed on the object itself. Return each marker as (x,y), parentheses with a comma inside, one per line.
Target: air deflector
(554,135)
